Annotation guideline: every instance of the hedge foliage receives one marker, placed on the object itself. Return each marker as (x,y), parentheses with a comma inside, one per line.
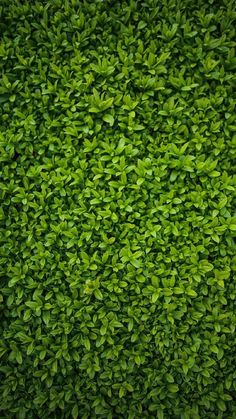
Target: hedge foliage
(117,219)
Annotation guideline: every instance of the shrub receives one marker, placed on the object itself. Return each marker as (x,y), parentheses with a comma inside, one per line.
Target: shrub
(118,222)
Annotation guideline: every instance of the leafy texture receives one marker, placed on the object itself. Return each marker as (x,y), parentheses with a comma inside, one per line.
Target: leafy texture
(118,223)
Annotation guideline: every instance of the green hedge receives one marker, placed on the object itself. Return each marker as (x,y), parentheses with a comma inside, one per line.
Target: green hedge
(118,215)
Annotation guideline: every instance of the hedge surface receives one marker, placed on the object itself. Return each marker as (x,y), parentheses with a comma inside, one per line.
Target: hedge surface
(118,215)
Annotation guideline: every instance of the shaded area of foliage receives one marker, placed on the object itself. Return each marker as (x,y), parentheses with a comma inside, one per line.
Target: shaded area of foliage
(117,218)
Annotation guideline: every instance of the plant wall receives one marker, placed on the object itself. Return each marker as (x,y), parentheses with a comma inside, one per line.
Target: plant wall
(118,215)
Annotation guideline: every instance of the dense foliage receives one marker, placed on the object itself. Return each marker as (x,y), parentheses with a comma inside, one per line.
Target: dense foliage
(117,219)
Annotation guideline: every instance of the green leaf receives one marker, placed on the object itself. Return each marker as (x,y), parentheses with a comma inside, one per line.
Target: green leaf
(109,119)
(155,296)
(121,392)
(214,173)
(32,304)
(185,369)
(87,343)
(75,412)
(23,337)
(173,388)
(98,294)
(160,414)
(103,330)
(19,357)
(54,367)
(221,405)
(46,317)
(191,293)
